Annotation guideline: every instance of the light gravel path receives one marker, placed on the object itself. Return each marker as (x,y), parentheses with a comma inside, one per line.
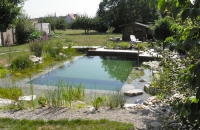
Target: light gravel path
(140,118)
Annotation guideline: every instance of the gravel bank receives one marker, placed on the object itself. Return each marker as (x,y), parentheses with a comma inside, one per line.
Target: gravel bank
(139,117)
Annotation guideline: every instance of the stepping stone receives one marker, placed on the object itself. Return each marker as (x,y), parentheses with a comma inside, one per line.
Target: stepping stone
(133,92)
(27,98)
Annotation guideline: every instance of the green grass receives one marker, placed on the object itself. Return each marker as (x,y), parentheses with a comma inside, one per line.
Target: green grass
(64,124)
(75,37)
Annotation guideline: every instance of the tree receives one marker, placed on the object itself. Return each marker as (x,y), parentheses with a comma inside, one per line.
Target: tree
(162,29)
(61,24)
(58,23)
(117,12)
(23,29)
(9,10)
(84,22)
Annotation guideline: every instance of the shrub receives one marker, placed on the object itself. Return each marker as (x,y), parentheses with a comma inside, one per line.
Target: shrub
(12,93)
(125,45)
(36,48)
(3,71)
(116,99)
(21,62)
(24,28)
(35,36)
(42,101)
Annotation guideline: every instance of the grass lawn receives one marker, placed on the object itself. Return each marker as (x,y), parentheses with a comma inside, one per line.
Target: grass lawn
(76,37)
(79,124)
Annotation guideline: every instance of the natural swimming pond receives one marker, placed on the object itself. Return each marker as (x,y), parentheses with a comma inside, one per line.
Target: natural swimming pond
(93,72)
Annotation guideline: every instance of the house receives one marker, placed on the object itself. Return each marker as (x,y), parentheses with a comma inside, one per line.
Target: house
(141,31)
(70,18)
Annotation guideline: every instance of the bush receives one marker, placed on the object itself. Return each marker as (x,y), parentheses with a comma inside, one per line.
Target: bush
(125,45)
(3,71)
(12,93)
(21,63)
(24,28)
(36,48)
(42,101)
(35,36)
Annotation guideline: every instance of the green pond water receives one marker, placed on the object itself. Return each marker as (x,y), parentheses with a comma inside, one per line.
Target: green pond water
(93,72)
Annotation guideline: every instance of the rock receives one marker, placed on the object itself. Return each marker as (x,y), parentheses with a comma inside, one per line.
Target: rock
(128,106)
(155,124)
(147,103)
(27,98)
(142,80)
(155,72)
(139,101)
(138,68)
(133,92)
(92,109)
(36,59)
(5,101)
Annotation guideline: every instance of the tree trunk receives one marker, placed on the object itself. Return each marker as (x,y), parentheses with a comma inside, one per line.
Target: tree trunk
(2,39)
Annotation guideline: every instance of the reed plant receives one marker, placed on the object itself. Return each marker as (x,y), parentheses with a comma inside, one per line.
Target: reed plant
(63,94)
(116,99)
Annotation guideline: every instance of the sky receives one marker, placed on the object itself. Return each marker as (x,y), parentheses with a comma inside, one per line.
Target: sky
(41,8)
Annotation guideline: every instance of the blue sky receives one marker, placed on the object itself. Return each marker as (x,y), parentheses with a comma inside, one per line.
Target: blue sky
(40,8)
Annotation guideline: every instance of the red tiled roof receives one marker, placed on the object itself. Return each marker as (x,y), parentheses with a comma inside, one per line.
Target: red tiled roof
(73,16)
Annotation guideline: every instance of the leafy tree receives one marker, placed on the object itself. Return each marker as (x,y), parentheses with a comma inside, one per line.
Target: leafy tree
(61,23)
(23,29)
(117,12)
(162,29)
(83,22)
(58,23)
(9,10)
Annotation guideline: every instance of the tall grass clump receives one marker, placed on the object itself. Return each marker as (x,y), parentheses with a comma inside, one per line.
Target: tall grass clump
(12,93)
(3,71)
(21,62)
(64,94)
(69,51)
(125,45)
(116,99)
(36,48)
(54,50)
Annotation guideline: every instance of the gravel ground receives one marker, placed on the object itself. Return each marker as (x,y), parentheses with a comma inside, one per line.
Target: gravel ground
(139,117)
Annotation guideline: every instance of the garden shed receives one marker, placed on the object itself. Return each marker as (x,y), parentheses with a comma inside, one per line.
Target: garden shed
(141,31)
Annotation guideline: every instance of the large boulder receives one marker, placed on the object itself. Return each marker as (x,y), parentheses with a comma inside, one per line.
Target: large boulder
(133,92)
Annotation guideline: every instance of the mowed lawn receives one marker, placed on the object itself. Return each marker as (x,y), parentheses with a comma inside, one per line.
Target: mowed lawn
(75,37)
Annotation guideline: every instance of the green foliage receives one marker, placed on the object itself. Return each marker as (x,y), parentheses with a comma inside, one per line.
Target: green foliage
(10,10)
(64,94)
(42,101)
(53,50)
(83,22)
(21,62)
(112,45)
(23,29)
(36,35)
(61,24)
(58,23)
(36,48)
(125,45)
(161,29)
(3,71)
(97,102)
(114,13)
(83,124)
(12,93)
(116,99)
(69,52)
